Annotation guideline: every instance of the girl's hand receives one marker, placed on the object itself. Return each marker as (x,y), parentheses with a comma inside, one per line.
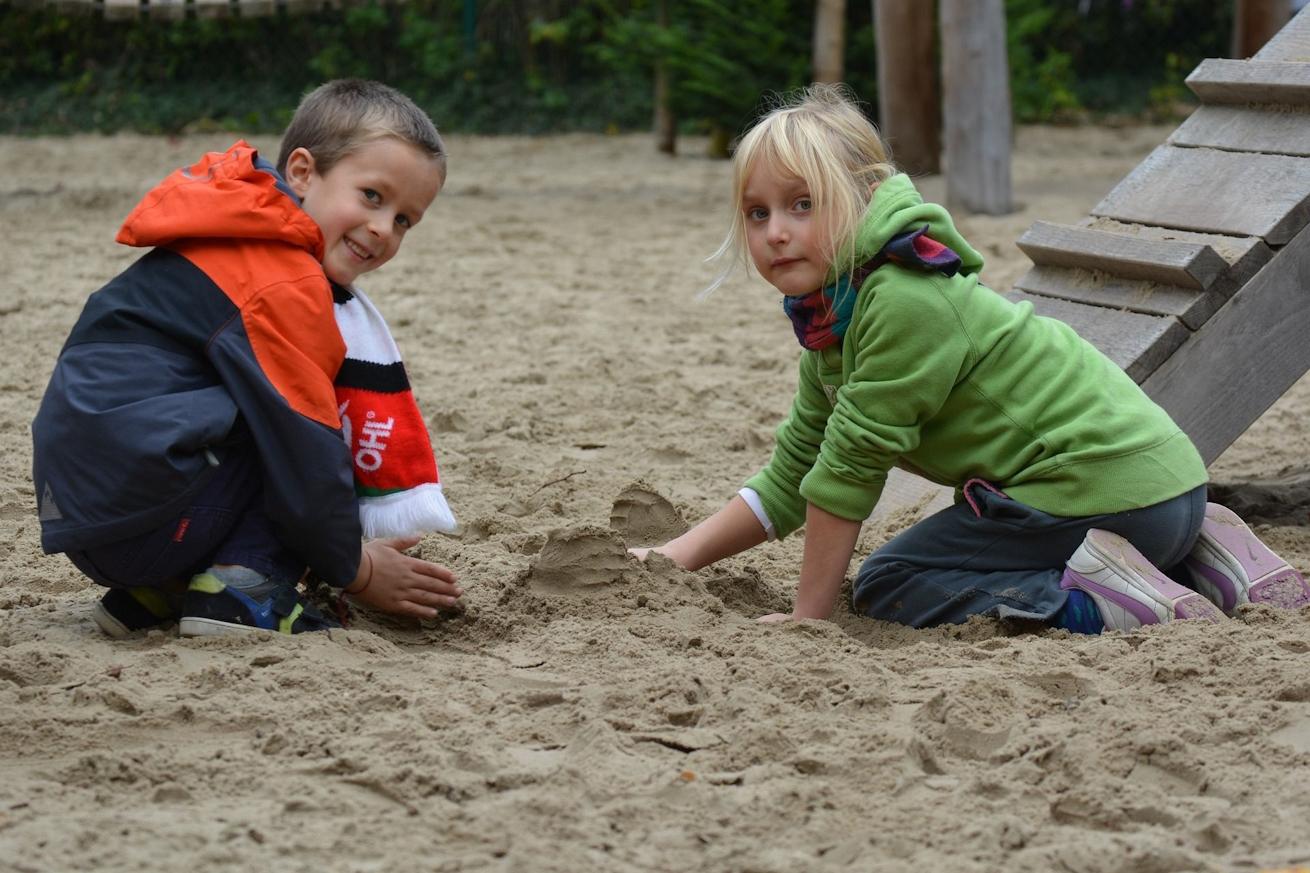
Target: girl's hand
(775,618)
(394,582)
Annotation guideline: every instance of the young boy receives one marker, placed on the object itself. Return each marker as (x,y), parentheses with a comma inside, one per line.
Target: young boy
(189,450)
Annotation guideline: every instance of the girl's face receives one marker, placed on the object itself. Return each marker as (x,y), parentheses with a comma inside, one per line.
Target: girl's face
(781,231)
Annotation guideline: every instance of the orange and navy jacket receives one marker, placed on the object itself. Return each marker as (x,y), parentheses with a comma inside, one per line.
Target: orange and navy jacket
(223,332)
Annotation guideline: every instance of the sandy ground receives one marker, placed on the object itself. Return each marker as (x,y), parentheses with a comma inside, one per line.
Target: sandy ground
(589,713)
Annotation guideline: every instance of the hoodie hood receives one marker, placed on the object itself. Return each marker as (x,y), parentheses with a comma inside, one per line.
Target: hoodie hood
(233,194)
(897,207)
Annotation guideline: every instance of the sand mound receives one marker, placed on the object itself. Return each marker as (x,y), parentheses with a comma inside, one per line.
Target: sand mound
(644,517)
(574,559)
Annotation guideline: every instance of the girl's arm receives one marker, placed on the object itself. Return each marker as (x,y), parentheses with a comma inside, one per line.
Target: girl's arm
(829,544)
(732,529)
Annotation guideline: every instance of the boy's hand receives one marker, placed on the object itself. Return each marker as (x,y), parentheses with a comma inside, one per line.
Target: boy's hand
(394,582)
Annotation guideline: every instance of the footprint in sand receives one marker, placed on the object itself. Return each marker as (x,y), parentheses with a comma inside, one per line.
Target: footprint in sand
(644,517)
(579,558)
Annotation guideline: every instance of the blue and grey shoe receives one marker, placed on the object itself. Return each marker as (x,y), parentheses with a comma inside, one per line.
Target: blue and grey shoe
(122,612)
(212,607)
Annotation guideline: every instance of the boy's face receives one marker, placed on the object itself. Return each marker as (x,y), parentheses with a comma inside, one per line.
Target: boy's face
(781,231)
(366,203)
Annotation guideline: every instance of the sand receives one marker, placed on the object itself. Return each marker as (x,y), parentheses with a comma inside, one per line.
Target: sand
(588,712)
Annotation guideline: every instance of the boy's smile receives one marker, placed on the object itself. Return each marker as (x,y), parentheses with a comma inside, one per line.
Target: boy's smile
(781,231)
(365,203)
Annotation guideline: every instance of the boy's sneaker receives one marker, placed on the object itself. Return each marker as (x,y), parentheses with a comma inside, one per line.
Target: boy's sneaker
(122,612)
(1231,566)
(1127,589)
(212,607)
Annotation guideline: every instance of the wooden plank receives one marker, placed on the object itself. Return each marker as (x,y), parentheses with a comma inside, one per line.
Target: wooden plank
(1137,343)
(1245,254)
(910,496)
(1215,192)
(167,10)
(1096,288)
(909,108)
(1219,80)
(1292,43)
(75,7)
(1244,357)
(976,106)
(1246,129)
(1186,264)
(117,10)
(213,8)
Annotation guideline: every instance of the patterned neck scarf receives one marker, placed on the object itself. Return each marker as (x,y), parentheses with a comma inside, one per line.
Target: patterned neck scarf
(821,317)
(395,470)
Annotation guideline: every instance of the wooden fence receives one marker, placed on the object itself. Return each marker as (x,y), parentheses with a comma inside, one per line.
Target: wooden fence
(179,9)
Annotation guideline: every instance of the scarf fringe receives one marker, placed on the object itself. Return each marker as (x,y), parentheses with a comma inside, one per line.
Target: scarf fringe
(417,511)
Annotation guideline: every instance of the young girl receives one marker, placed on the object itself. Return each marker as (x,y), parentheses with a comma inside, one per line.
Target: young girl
(1072,486)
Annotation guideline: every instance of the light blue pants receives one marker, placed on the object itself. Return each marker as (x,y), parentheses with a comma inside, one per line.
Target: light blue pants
(1004,558)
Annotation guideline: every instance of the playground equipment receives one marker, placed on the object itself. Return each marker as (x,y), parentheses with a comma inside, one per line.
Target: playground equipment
(1193,273)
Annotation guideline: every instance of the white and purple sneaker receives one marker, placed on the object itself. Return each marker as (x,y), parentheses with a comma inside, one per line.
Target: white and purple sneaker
(1127,589)
(1231,566)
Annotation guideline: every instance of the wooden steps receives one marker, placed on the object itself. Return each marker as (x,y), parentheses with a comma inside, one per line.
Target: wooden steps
(1193,273)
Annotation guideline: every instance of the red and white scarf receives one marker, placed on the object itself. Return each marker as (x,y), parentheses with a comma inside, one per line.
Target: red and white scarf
(395,470)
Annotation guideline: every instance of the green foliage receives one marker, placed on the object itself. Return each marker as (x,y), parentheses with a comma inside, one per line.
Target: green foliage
(542,65)
(1042,79)
(1109,56)
(721,57)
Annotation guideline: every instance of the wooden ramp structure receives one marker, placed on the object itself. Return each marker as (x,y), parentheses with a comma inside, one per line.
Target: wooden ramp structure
(1193,273)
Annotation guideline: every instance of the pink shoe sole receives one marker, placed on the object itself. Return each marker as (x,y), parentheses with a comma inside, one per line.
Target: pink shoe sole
(1232,566)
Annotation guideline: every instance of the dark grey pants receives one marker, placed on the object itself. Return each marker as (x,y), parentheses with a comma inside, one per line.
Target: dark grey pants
(1004,558)
(225,524)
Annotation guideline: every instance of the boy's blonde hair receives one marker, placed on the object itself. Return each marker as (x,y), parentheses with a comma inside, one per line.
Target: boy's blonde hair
(337,118)
(818,135)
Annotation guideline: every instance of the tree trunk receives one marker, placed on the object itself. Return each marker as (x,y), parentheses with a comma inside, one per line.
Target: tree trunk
(666,123)
(909,105)
(720,142)
(1255,22)
(976,111)
(829,40)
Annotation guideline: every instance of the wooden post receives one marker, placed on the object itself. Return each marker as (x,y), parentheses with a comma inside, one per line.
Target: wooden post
(1255,21)
(976,110)
(829,40)
(666,124)
(909,105)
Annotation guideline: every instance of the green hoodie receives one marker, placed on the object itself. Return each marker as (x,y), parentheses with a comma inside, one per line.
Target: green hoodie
(948,379)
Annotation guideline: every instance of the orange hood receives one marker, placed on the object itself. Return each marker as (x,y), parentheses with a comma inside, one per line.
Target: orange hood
(233,194)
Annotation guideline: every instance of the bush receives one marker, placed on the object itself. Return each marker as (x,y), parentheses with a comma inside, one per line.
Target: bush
(547,65)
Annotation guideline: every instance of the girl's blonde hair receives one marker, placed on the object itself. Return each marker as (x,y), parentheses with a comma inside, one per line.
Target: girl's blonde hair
(818,135)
